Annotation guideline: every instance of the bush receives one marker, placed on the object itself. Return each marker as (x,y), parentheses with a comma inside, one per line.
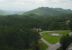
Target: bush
(65,42)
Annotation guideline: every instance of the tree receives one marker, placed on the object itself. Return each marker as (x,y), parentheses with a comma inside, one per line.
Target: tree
(65,42)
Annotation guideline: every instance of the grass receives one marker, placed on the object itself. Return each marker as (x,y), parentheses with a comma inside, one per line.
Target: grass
(53,39)
(43,46)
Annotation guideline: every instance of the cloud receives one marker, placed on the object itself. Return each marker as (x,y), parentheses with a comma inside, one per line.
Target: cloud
(66,4)
(32,4)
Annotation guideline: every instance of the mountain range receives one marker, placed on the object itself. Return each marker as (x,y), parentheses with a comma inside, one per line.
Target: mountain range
(42,11)
(46,11)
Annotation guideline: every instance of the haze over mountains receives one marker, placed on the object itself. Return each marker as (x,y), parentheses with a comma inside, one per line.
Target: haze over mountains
(2,12)
(43,11)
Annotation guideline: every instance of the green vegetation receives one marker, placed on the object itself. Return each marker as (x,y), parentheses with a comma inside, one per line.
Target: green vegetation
(19,32)
(18,39)
(53,39)
(43,46)
(46,11)
(65,42)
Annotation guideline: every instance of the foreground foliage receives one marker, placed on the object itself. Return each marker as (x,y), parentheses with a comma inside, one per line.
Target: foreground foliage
(65,42)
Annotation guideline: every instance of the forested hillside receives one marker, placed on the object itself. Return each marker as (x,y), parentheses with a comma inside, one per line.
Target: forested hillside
(46,11)
(36,21)
(16,31)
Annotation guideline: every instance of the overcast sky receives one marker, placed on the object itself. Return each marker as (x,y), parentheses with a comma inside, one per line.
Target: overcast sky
(23,5)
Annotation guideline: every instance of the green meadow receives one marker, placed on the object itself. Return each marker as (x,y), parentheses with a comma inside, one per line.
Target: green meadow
(53,39)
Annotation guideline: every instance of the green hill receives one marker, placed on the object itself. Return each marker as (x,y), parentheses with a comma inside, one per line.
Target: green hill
(45,11)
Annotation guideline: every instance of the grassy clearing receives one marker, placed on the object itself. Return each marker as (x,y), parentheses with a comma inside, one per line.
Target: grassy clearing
(53,39)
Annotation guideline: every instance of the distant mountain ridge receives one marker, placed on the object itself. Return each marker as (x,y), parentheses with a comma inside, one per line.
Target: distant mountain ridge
(46,11)
(41,11)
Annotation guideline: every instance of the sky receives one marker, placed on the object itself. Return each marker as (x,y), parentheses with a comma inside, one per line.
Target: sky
(25,5)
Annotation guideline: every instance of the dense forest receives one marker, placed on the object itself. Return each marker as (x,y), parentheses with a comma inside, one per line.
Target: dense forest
(34,21)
